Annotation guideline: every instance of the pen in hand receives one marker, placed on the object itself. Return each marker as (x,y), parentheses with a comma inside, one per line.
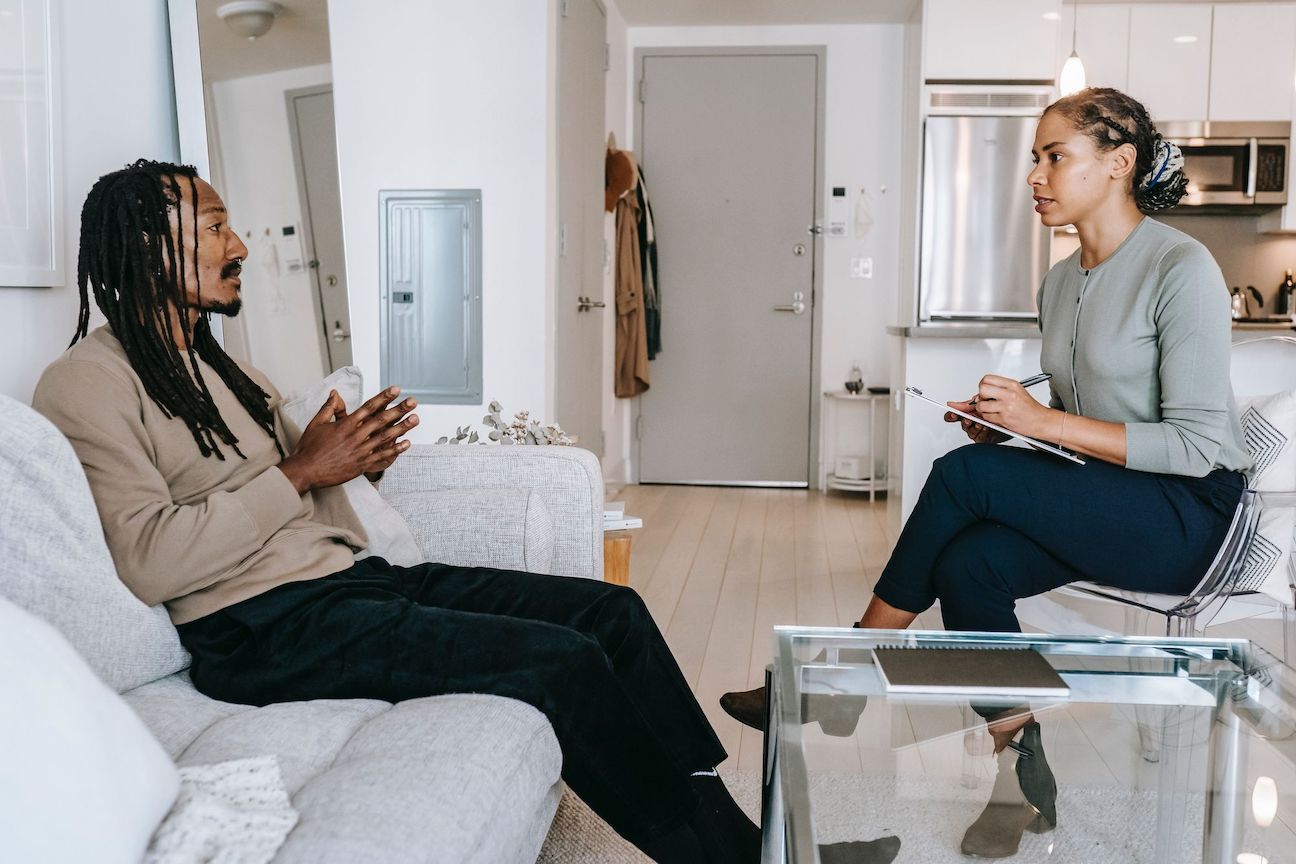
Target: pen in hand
(1025,382)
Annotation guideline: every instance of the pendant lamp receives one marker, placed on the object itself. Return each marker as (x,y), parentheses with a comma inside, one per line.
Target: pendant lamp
(1072,79)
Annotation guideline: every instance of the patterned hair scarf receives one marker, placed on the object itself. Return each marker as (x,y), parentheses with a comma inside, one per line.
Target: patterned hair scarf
(1170,161)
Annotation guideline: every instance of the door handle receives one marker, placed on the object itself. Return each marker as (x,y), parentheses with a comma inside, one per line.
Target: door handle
(339,335)
(584,304)
(796,307)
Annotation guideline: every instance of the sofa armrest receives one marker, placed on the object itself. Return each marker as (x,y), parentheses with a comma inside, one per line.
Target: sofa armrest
(568,480)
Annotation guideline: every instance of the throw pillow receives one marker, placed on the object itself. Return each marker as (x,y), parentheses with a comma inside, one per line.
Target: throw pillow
(83,779)
(1269,430)
(389,536)
(56,563)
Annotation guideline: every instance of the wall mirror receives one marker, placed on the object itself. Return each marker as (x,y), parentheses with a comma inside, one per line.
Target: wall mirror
(254,103)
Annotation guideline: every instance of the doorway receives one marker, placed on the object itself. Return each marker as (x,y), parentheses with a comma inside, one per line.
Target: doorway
(310,124)
(730,143)
(578,318)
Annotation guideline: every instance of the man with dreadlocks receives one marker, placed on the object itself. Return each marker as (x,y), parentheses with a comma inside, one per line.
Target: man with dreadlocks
(251,547)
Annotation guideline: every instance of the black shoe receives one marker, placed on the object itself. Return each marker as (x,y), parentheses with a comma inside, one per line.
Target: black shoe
(1011,811)
(880,851)
(837,715)
(1036,777)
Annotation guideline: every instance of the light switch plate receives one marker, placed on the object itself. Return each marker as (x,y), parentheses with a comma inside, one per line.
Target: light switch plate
(861,268)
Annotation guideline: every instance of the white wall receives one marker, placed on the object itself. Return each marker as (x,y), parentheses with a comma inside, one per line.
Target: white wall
(861,150)
(259,185)
(117,106)
(433,94)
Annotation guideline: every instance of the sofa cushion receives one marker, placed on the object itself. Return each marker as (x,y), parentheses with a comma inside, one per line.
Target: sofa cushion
(56,563)
(82,778)
(460,778)
(509,529)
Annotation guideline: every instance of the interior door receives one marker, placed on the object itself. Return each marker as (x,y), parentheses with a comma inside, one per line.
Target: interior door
(728,145)
(582,33)
(310,116)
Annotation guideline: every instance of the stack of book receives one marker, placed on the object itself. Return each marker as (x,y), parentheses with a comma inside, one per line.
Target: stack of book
(615,518)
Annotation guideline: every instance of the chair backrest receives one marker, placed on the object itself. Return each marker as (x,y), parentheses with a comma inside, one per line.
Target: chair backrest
(1266,364)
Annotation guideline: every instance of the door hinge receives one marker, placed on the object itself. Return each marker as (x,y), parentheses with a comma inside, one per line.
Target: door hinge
(602,440)
(562,8)
(639,428)
(643,90)
(607,56)
(562,240)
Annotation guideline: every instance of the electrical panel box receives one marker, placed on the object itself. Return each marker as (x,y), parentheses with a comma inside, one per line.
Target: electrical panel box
(430,277)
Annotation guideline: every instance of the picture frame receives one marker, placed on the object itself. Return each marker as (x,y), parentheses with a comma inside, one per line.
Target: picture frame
(31,159)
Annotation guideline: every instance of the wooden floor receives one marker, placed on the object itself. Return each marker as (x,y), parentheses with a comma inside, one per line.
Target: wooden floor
(718,567)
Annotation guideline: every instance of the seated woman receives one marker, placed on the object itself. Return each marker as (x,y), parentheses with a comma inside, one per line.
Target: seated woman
(1136,336)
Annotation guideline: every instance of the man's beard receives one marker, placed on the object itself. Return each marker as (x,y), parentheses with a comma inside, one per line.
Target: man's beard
(227,308)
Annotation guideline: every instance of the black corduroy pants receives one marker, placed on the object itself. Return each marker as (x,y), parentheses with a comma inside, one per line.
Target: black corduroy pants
(585,653)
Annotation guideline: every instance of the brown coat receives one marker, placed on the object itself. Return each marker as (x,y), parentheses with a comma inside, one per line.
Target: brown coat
(631,375)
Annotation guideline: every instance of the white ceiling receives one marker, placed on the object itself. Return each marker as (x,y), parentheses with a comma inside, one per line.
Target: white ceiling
(298,38)
(686,13)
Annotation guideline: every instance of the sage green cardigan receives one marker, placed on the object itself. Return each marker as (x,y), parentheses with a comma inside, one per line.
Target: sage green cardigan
(1143,339)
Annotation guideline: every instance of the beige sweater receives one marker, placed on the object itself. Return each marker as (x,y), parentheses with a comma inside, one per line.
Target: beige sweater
(196,533)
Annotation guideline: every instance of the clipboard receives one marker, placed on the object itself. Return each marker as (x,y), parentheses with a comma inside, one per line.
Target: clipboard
(1038,445)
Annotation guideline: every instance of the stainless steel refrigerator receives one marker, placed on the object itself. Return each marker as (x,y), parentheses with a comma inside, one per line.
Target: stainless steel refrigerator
(983,248)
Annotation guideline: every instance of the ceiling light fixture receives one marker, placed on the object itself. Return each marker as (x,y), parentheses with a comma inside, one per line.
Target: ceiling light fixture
(249,18)
(1072,79)
(1185,40)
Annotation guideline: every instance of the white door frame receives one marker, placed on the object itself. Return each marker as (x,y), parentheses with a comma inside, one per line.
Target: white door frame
(820,52)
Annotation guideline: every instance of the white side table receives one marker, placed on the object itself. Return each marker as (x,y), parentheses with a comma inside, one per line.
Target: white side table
(832,402)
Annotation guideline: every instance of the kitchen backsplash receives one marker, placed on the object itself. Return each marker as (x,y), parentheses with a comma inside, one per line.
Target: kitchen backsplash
(1246,256)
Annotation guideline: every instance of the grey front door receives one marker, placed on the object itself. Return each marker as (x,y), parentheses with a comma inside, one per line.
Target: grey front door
(310,117)
(728,144)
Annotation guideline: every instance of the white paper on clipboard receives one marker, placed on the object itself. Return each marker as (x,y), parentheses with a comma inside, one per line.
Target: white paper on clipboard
(1038,445)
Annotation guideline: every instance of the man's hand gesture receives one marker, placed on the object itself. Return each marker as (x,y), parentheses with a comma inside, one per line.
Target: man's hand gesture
(336,446)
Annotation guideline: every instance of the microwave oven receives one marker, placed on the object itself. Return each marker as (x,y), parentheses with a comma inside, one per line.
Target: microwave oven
(1233,164)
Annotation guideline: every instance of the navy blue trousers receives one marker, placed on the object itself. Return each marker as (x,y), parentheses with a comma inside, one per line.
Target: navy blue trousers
(994,524)
(585,653)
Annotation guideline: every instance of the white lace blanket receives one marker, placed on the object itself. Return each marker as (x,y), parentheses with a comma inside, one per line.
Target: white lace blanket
(228,813)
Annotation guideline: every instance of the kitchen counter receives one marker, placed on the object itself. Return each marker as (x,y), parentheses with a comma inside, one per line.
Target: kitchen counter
(1262,325)
(968,330)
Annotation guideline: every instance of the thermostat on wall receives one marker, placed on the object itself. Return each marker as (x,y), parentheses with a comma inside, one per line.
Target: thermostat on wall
(290,249)
(837,212)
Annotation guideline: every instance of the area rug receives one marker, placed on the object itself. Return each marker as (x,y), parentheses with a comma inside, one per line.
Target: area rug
(1095,824)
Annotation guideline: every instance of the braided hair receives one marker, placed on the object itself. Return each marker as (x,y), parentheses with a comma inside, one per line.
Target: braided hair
(1111,118)
(132,262)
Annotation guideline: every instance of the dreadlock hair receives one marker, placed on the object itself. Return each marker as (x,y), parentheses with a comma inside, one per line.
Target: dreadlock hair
(134,265)
(1112,118)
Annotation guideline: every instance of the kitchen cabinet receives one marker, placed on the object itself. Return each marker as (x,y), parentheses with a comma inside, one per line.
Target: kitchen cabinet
(1253,61)
(1169,59)
(1102,41)
(991,40)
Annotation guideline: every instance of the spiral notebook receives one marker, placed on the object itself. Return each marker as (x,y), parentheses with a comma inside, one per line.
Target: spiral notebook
(968,671)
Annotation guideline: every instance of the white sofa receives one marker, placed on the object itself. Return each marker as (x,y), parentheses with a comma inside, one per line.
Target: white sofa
(461,778)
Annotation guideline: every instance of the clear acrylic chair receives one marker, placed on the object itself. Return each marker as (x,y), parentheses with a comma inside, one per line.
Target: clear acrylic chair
(1258,366)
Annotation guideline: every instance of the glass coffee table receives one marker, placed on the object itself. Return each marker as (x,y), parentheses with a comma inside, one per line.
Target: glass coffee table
(1162,750)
